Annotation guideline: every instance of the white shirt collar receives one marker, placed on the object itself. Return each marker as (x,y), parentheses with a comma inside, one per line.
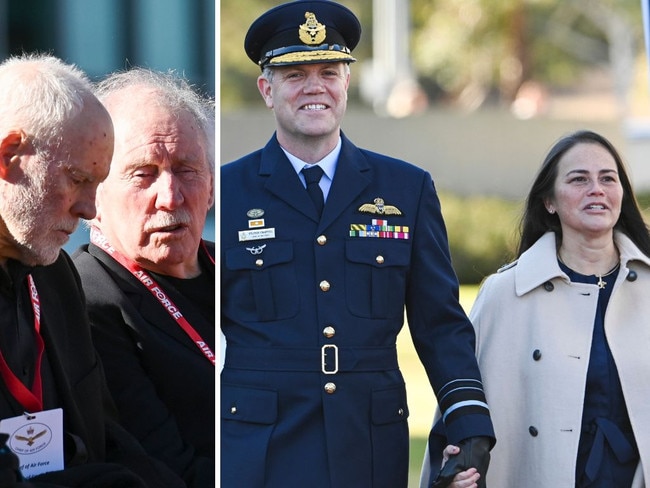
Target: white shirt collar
(328,163)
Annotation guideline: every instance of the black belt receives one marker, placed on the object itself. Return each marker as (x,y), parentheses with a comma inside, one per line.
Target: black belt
(328,359)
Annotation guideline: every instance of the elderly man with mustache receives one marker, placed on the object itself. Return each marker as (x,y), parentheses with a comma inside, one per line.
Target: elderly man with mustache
(148,274)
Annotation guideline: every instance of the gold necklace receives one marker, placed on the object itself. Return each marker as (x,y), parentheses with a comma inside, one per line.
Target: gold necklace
(601,283)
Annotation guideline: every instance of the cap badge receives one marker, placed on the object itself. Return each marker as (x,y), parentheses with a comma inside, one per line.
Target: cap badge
(379,207)
(311,32)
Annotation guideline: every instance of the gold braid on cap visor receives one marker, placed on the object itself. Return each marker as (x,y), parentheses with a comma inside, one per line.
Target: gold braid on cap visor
(304,54)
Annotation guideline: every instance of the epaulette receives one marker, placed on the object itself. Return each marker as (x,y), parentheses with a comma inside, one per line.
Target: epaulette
(507,266)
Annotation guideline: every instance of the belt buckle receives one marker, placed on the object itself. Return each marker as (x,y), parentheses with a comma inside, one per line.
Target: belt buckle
(323,357)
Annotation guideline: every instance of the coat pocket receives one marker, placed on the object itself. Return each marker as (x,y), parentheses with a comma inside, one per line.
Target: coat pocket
(390,437)
(375,274)
(248,417)
(264,286)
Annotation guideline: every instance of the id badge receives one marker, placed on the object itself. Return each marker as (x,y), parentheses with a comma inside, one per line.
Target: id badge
(37,440)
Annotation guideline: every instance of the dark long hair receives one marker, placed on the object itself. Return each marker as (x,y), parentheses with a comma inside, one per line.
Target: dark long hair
(536,220)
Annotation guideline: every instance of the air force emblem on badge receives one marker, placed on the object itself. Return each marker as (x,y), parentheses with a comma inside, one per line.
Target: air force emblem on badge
(379,207)
(311,32)
(256,250)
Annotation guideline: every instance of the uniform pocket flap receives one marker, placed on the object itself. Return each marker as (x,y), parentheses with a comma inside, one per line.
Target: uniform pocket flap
(389,405)
(258,256)
(378,252)
(245,404)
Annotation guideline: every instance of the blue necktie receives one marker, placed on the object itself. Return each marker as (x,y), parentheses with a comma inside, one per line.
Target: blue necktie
(312,176)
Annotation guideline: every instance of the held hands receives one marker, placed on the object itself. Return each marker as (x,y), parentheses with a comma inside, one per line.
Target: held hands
(465,466)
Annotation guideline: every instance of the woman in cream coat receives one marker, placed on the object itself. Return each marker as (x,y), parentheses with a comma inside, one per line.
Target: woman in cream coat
(563,333)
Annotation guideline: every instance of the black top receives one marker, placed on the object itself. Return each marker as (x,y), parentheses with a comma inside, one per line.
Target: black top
(607,452)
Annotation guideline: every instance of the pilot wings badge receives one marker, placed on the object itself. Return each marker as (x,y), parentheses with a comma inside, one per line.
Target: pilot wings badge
(379,207)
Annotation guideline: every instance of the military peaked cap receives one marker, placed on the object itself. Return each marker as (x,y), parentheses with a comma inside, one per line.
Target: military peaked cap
(303,32)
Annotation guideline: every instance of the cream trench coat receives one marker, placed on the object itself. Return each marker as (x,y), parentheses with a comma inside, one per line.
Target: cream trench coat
(533,335)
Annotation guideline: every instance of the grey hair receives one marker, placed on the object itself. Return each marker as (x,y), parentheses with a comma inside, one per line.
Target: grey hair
(41,93)
(177,94)
(267,73)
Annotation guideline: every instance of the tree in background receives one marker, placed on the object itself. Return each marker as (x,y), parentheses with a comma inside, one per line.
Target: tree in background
(472,52)
(475,50)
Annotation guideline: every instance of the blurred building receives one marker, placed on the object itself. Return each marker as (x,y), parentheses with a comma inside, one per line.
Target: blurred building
(101,36)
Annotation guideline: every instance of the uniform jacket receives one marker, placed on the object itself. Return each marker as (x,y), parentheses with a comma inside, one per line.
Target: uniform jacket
(163,385)
(305,285)
(534,330)
(77,385)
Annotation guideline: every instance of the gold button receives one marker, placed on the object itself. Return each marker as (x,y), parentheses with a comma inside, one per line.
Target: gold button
(324,285)
(380,259)
(259,263)
(322,240)
(329,332)
(330,388)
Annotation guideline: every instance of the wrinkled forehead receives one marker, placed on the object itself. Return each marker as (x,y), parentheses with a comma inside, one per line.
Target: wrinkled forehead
(141,109)
(159,138)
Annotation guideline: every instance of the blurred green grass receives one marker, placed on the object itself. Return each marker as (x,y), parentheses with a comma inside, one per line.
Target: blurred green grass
(421,400)
(416,454)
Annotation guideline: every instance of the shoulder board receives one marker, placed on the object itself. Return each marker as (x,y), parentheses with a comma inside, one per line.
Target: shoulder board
(507,266)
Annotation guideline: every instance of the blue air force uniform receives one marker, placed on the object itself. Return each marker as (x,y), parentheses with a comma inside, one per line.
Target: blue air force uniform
(311,305)
(311,393)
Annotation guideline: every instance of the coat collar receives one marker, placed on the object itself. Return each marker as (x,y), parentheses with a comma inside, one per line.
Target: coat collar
(147,306)
(539,263)
(352,176)
(628,250)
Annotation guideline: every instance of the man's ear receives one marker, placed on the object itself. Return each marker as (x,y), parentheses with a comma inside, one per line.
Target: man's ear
(211,201)
(264,87)
(11,145)
(98,206)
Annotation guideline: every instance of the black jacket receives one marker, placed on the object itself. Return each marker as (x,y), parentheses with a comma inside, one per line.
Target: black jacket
(98,452)
(164,387)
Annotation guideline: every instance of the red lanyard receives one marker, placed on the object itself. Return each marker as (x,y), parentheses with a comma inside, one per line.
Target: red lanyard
(31,400)
(97,238)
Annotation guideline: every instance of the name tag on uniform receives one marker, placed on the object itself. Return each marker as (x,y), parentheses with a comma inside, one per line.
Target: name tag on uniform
(256,234)
(37,440)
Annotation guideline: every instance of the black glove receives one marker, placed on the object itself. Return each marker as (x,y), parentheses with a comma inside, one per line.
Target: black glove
(474,453)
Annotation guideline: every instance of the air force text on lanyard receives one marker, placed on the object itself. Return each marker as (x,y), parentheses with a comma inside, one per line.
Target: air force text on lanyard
(97,238)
